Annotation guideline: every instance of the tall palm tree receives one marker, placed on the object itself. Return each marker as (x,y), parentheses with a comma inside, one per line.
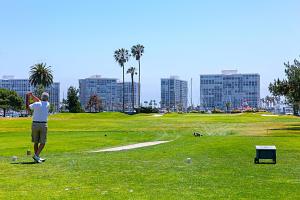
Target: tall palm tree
(138,51)
(132,72)
(122,56)
(262,100)
(40,76)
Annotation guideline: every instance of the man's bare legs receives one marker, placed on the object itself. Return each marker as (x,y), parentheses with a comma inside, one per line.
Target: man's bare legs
(38,148)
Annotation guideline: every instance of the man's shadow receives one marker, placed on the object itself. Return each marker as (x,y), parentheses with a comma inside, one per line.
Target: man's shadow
(23,163)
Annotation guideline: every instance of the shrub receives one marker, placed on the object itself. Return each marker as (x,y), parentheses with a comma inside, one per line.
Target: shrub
(262,110)
(147,110)
(236,111)
(194,111)
(217,111)
(251,110)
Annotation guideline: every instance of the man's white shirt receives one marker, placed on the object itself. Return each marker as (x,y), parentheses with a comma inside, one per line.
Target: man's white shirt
(40,111)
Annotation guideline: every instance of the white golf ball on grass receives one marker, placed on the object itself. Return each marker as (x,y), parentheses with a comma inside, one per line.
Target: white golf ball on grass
(14,158)
(189,160)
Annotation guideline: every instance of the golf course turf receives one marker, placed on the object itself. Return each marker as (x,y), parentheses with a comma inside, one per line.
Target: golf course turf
(222,160)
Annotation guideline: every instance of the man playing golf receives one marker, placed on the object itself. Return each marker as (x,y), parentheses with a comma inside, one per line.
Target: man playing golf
(39,123)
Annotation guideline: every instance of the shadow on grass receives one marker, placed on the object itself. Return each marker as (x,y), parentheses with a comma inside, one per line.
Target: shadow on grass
(286,129)
(265,163)
(24,163)
(292,129)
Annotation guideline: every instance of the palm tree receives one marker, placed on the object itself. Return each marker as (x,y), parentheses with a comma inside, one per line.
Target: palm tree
(227,104)
(138,51)
(262,100)
(122,56)
(132,72)
(40,77)
(270,101)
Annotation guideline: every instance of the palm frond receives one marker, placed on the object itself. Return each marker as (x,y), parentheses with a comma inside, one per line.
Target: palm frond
(137,51)
(121,56)
(131,70)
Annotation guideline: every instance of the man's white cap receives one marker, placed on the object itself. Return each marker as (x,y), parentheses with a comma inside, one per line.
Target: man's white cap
(45,96)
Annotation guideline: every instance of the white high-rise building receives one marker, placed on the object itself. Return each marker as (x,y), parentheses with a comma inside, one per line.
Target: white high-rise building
(110,91)
(104,88)
(22,86)
(174,94)
(231,88)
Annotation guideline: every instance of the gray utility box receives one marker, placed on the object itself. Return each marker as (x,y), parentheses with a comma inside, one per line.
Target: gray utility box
(265,152)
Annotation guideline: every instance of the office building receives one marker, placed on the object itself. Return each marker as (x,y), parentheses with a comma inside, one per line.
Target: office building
(104,88)
(174,94)
(238,91)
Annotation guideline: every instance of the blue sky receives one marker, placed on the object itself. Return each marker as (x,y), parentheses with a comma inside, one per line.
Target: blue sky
(184,38)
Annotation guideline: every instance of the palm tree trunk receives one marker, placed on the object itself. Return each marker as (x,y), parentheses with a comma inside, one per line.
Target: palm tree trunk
(139,88)
(132,90)
(123,91)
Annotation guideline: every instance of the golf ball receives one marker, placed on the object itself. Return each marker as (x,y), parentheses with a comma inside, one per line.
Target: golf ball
(14,158)
(188,160)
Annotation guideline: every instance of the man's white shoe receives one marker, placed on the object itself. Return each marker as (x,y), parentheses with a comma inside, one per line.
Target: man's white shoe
(42,159)
(36,159)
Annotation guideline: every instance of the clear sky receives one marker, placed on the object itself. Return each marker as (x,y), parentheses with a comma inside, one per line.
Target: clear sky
(184,38)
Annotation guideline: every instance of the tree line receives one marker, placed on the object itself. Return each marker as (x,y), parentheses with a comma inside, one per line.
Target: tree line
(41,76)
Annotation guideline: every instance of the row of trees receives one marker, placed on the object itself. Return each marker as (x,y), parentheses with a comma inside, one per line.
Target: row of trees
(121,57)
(41,76)
(269,101)
(10,100)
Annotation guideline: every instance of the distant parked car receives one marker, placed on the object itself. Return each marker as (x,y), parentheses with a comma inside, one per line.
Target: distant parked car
(288,110)
(12,114)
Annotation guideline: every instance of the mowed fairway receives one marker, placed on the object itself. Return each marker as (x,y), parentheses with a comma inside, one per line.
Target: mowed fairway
(222,160)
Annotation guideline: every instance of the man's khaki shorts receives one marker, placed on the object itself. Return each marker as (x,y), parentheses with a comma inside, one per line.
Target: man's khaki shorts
(39,132)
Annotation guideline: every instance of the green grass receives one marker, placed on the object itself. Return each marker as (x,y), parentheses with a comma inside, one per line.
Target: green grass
(222,161)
